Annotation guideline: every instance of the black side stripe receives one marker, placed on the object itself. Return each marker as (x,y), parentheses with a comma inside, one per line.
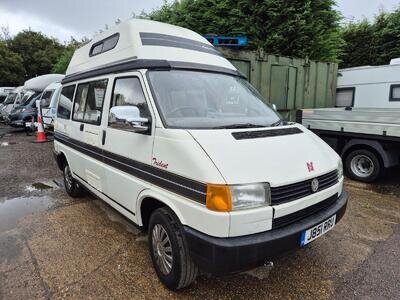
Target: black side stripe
(108,197)
(165,40)
(175,183)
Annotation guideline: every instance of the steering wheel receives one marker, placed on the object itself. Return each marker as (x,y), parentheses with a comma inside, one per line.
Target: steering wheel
(182,108)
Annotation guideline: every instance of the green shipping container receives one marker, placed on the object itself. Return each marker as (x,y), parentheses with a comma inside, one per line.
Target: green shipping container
(289,83)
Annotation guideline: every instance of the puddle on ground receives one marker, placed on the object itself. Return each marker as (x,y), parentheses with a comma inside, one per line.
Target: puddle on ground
(13,209)
(44,185)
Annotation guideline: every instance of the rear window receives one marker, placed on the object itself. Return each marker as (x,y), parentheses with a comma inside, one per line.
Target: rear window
(65,102)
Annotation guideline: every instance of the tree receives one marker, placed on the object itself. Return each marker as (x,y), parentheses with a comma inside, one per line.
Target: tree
(63,61)
(12,71)
(62,64)
(372,43)
(39,53)
(297,28)
(359,47)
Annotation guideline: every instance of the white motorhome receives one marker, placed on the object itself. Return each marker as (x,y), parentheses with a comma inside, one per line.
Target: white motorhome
(14,98)
(4,91)
(48,103)
(154,121)
(369,87)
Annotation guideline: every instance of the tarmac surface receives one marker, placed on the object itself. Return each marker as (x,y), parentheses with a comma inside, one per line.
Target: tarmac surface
(52,246)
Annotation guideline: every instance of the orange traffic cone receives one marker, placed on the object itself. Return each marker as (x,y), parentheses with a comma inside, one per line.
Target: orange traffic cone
(40,134)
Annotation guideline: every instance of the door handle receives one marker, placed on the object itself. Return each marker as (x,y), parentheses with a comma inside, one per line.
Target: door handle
(103,138)
(81,127)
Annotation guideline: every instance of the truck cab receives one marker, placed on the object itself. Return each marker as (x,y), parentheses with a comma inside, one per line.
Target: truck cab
(153,120)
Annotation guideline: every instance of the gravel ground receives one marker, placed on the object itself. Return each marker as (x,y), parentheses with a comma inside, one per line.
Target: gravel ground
(54,247)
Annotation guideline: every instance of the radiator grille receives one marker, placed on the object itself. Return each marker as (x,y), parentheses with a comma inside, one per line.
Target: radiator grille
(294,191)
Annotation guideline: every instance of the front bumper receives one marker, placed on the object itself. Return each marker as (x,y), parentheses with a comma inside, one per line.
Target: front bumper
(227,255)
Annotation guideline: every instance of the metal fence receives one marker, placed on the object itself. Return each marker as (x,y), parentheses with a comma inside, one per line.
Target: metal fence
(289,83)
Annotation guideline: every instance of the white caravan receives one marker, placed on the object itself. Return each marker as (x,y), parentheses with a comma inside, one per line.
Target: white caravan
(369,87)
(154,121)
(48,103)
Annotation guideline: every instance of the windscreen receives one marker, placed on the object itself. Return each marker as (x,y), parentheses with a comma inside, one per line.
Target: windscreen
(28,96)
(203,100)
(10,98)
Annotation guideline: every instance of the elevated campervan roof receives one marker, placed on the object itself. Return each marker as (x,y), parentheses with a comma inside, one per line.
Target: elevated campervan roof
(138,43)
(39,83)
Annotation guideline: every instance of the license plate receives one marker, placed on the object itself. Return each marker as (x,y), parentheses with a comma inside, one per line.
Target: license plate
(315,232)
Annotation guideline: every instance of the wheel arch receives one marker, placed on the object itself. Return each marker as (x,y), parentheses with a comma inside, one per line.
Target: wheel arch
(61,159)
(148,201)
(374,146)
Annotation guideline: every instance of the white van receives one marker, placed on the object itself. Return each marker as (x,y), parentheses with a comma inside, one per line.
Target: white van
(48,103)
(154,121)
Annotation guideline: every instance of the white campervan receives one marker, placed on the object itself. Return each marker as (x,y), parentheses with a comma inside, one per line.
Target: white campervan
(48,103)
(157,123)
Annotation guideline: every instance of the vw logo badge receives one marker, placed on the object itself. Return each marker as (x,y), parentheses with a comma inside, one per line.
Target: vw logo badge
(314,185)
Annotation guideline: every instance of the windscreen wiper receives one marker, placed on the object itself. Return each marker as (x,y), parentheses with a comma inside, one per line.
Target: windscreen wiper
(277,123)
(234,126)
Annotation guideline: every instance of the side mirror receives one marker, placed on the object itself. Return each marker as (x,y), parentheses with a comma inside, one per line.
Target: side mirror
(129,114)
(274,107)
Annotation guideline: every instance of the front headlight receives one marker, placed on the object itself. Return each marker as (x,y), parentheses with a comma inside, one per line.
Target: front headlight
(340,169)
(250,195)
(225,198)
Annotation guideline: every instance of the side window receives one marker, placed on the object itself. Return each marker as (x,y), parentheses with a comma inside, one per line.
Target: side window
(89,100)
(345,97)
(65,102)
(128,94)
(104,45)
(46,97)
(394,92)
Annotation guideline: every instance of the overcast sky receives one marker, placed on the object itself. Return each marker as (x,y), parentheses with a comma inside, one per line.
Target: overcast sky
(78,18)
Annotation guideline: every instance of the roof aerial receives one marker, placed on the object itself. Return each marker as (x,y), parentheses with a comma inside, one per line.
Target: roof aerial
(145,43)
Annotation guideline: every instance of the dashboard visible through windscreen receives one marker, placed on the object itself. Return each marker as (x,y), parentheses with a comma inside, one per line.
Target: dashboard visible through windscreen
(204,100)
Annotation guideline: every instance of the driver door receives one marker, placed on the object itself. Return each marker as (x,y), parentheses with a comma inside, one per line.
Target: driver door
(125,150)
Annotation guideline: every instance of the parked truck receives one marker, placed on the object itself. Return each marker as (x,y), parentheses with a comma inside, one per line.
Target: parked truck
(364,128)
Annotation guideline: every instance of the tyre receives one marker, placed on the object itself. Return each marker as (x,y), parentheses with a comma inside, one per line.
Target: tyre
(363,165)
(73,188)
(169,251)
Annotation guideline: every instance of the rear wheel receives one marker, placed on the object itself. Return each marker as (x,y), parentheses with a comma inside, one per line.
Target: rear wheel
(169,251)
(73,188)
(363,165)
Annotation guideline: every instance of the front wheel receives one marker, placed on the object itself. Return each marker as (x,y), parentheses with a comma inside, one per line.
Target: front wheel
(363,165)
(169,251)
(73,188)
